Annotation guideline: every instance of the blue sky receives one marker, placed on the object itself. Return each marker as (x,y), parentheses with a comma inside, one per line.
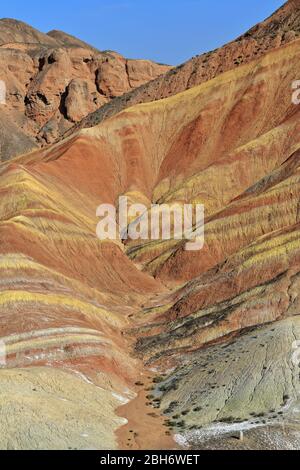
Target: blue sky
(168,31)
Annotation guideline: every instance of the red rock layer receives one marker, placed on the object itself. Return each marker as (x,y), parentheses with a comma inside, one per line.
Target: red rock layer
(279,29)
(53,81)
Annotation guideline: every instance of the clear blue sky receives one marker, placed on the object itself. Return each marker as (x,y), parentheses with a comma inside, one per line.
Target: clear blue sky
(168,31)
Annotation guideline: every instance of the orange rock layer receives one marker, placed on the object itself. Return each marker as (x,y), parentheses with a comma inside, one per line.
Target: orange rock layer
(68,300)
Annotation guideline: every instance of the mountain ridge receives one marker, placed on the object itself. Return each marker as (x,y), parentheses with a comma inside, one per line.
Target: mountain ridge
(249,46)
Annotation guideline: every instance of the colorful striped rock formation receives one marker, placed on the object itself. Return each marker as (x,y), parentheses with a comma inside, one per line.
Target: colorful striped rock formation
(198,343)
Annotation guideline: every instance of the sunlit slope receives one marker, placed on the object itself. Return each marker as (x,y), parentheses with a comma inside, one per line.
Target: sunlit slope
(68,300)
(281,28)
(60,307)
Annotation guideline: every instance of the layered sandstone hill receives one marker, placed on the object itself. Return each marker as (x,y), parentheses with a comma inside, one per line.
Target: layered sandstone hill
(54,80)
(216,327)
(281,28)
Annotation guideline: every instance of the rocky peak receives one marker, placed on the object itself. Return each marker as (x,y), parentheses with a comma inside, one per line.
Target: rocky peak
(14,31)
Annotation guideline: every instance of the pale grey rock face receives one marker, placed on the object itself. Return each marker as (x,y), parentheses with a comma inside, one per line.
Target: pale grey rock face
(250,382)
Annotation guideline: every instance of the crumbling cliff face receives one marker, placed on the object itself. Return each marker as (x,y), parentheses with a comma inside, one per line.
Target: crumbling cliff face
(53,81)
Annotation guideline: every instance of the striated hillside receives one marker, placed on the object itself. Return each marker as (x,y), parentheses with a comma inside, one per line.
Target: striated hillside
(281,28)
(53,81)
(200,342)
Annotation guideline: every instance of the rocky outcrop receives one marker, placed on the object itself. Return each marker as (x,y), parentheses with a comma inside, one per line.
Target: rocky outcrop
(53,81)
(13,141)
